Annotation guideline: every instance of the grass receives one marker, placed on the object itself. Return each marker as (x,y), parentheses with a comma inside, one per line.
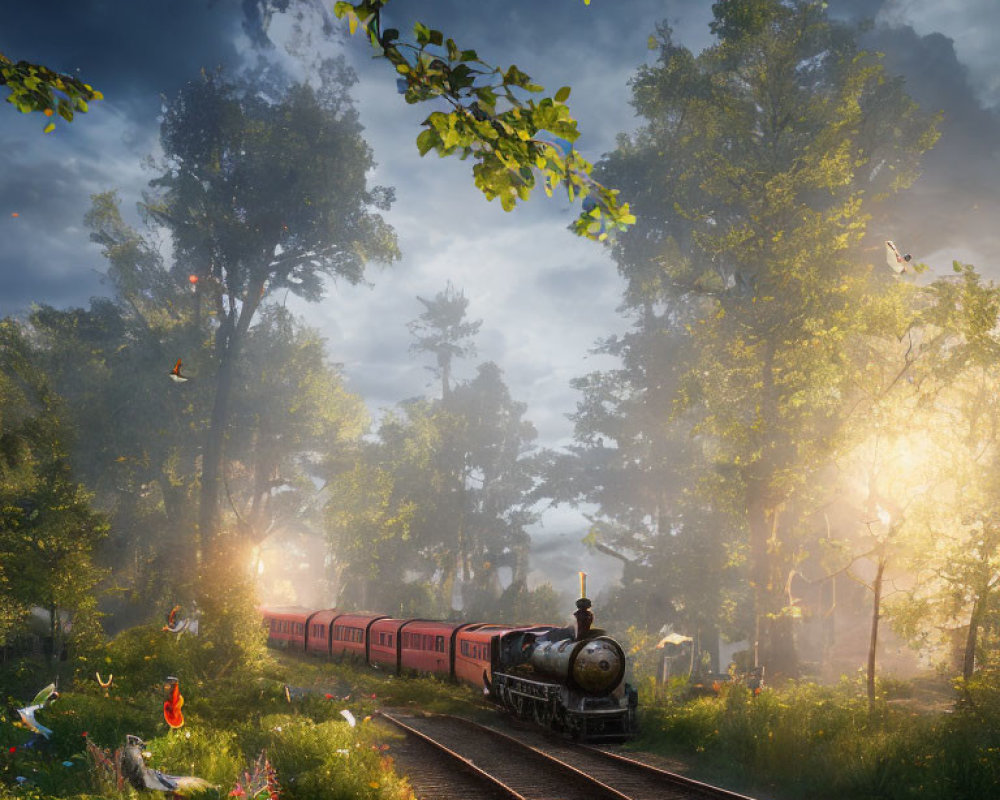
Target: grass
(228,722)
(231,714)
(806,740)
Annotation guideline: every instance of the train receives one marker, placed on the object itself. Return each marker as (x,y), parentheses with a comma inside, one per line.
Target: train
(568,680)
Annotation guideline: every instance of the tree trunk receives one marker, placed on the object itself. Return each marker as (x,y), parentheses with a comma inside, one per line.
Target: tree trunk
(208,509)
(873,643)
(757,520)
(445,364)
(774,640)
(228,339)
(971,639)
(53,619)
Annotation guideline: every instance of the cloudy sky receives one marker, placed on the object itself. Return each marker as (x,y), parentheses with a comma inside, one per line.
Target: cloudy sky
(543,295)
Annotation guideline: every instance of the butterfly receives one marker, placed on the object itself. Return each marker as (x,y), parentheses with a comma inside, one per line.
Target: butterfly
(175,373)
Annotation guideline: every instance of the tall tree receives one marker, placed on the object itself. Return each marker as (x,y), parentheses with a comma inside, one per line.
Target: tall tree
(497,478)
(300,427)
(47,527)
(442,330)
(753,180)
(263,194)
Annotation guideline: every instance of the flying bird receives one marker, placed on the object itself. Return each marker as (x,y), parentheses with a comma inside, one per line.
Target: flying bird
(898,262)
(27,714)
(175,373)
(141,777)
(172,705)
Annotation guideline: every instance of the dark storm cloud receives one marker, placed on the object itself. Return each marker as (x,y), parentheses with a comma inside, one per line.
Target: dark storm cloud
(951,209)
(855,10)
(129,49)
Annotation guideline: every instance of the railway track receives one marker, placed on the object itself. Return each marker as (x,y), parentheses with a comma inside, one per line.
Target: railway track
(504,766)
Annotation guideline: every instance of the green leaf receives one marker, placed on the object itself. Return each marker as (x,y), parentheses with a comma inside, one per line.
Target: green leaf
(562,95)
(426,141)
(49,128)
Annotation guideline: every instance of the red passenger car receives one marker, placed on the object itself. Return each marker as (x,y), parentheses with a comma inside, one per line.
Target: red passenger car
(349,634)
(383,643)
(473,652)
(286,626)
(318,632)
(427,645)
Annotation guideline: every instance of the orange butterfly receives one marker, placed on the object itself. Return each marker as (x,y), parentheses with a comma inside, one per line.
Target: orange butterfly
(175,373)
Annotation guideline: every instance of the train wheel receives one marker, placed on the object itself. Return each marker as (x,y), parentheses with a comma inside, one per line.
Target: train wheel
(517,704)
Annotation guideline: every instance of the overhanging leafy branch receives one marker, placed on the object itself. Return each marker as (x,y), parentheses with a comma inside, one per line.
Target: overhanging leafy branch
(510,135)
(34,87)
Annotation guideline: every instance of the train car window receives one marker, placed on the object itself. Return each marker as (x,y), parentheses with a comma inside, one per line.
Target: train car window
(439,644)
(390,640)
(336,633)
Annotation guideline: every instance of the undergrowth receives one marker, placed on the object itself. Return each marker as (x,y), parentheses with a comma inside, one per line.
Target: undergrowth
(806,740)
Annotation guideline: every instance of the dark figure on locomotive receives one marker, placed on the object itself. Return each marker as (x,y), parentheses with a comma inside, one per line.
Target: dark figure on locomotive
(568,679)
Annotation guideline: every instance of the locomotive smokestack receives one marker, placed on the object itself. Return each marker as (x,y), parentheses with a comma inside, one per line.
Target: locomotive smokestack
(584,616)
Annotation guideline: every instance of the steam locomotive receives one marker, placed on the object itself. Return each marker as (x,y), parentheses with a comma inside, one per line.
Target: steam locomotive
(570,680)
